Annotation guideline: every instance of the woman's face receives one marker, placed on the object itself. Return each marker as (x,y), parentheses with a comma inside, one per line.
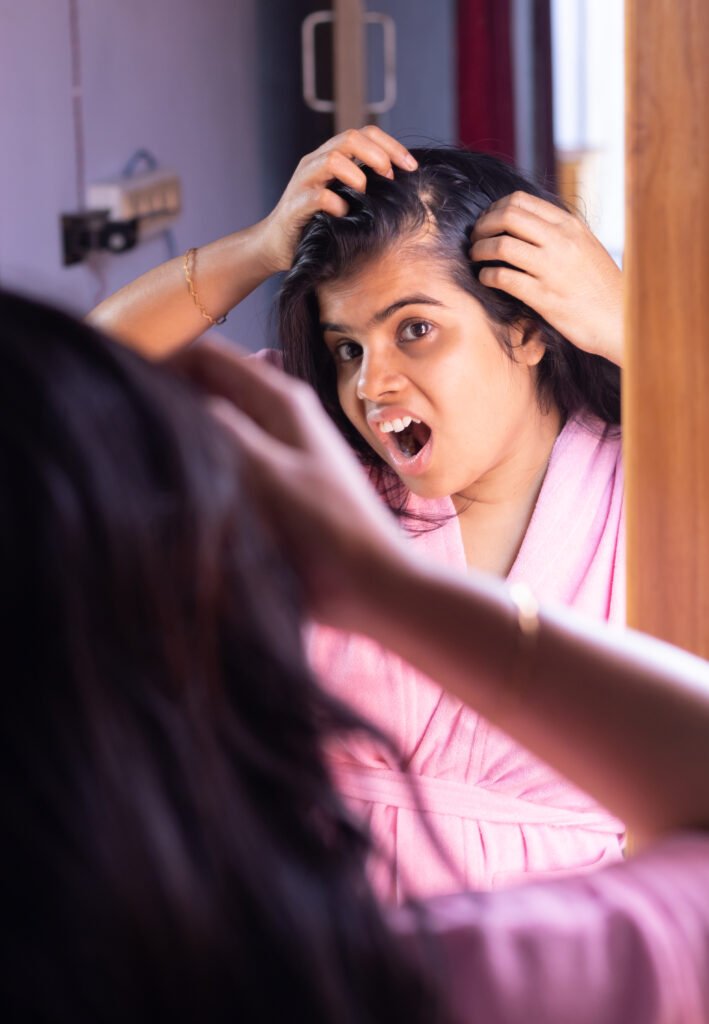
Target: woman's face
(414,350)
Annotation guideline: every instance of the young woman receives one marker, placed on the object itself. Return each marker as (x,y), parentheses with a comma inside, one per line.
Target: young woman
(474,416)
(173,846)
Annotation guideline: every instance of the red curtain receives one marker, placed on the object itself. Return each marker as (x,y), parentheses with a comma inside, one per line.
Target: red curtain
(485,84)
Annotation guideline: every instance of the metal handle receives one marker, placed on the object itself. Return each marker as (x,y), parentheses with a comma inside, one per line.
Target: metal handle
(310,23)
(307,38)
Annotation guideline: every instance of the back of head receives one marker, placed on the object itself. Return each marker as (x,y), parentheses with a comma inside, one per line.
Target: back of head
(443,199)
(173,848)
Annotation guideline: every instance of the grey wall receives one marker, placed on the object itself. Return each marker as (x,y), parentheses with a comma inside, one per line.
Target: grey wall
(178,78)
(426,108)
(211,87)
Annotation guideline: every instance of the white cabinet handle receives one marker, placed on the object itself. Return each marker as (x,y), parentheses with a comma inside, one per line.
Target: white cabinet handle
(310,95)
(307,40)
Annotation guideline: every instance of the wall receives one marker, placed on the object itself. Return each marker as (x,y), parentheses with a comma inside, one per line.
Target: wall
(425,110)
(176,77)
(589,106)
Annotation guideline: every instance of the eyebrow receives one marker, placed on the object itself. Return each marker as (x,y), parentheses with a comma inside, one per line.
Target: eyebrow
(384,314)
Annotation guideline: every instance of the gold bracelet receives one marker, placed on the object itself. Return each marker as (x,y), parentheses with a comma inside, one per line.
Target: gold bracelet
(192,254)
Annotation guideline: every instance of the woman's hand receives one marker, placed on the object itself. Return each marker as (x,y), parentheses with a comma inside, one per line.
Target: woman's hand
(307,192)
(560,269)
(307,482)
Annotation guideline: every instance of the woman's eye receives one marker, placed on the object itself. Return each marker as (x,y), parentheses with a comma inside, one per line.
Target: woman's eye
(416,329)
(346,351)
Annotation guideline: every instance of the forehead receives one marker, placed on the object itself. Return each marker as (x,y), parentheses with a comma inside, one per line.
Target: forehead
(384,280)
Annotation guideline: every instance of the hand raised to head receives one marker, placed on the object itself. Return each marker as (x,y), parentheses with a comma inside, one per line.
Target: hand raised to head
(304,478)
(557,266)
(307,192)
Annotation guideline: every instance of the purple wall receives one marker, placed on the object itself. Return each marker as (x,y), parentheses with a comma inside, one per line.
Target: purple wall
(178,77)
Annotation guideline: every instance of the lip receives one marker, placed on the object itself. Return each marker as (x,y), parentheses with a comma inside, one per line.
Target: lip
(394,456)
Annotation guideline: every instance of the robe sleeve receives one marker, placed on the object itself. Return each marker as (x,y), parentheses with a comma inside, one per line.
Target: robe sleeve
(626,945)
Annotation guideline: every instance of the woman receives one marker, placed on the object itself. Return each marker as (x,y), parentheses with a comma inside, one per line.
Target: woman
(173,846)
(475,416)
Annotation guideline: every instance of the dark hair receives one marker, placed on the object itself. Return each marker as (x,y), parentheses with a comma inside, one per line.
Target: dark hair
(451,188)
(173,847)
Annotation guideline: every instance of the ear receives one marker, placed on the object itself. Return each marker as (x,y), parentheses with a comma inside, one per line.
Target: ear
(528,345)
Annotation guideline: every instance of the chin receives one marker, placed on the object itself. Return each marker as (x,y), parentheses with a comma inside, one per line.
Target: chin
(428,489)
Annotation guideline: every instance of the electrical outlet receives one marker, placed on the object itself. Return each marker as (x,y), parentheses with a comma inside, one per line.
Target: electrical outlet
(153,198)
(91,231)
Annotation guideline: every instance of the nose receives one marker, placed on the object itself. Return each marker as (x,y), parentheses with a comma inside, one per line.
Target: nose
(379,375)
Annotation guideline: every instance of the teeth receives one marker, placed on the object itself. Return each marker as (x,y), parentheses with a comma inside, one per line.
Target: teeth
(387,426)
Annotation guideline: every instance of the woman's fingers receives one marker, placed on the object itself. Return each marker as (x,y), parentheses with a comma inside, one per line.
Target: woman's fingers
(520,285)
(325,200)
(513,220)
(372,147)
(541,208)
(505,249)
(336,165)
(287,409)
(266,395)
(398,154)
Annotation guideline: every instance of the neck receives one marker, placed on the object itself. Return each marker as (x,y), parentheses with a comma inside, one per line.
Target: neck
(495,511)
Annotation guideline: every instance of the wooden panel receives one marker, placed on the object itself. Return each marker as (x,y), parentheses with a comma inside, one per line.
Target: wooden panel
(349,60)
(666,383)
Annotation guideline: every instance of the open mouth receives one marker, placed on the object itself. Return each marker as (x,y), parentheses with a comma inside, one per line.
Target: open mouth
(412,438)
(408,442)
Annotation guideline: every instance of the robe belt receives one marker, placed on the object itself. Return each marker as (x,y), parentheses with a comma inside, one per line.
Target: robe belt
(464,800)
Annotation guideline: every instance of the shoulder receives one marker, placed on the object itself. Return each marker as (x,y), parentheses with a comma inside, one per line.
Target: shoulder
(628,944)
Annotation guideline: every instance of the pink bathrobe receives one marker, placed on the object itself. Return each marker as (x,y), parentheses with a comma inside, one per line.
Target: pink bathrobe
(499,814)
(628,945)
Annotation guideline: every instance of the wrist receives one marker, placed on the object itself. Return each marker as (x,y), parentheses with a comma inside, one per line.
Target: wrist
(380,583)
(610,346)
(269,243)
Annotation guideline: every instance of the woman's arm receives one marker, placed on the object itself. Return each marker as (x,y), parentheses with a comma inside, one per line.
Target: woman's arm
(624,716)
(156,314)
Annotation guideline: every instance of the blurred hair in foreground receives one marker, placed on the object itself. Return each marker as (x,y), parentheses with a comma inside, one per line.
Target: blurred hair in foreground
(173,846)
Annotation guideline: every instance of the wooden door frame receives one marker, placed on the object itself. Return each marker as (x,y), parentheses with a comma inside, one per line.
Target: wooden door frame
(666,376)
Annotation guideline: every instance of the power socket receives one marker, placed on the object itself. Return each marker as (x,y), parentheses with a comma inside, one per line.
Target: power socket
(92,231)
(153,198)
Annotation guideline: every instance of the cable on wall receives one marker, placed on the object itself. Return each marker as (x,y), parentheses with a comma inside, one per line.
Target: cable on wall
(77,104)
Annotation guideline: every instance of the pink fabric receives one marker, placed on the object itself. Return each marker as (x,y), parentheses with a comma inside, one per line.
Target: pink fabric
(627,945)
(499,814)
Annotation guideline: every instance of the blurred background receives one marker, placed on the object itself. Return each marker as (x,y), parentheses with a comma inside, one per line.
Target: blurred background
(130,131)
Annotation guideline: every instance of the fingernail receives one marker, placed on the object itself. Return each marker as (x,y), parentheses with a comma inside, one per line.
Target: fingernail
(390,173)
(411,163)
